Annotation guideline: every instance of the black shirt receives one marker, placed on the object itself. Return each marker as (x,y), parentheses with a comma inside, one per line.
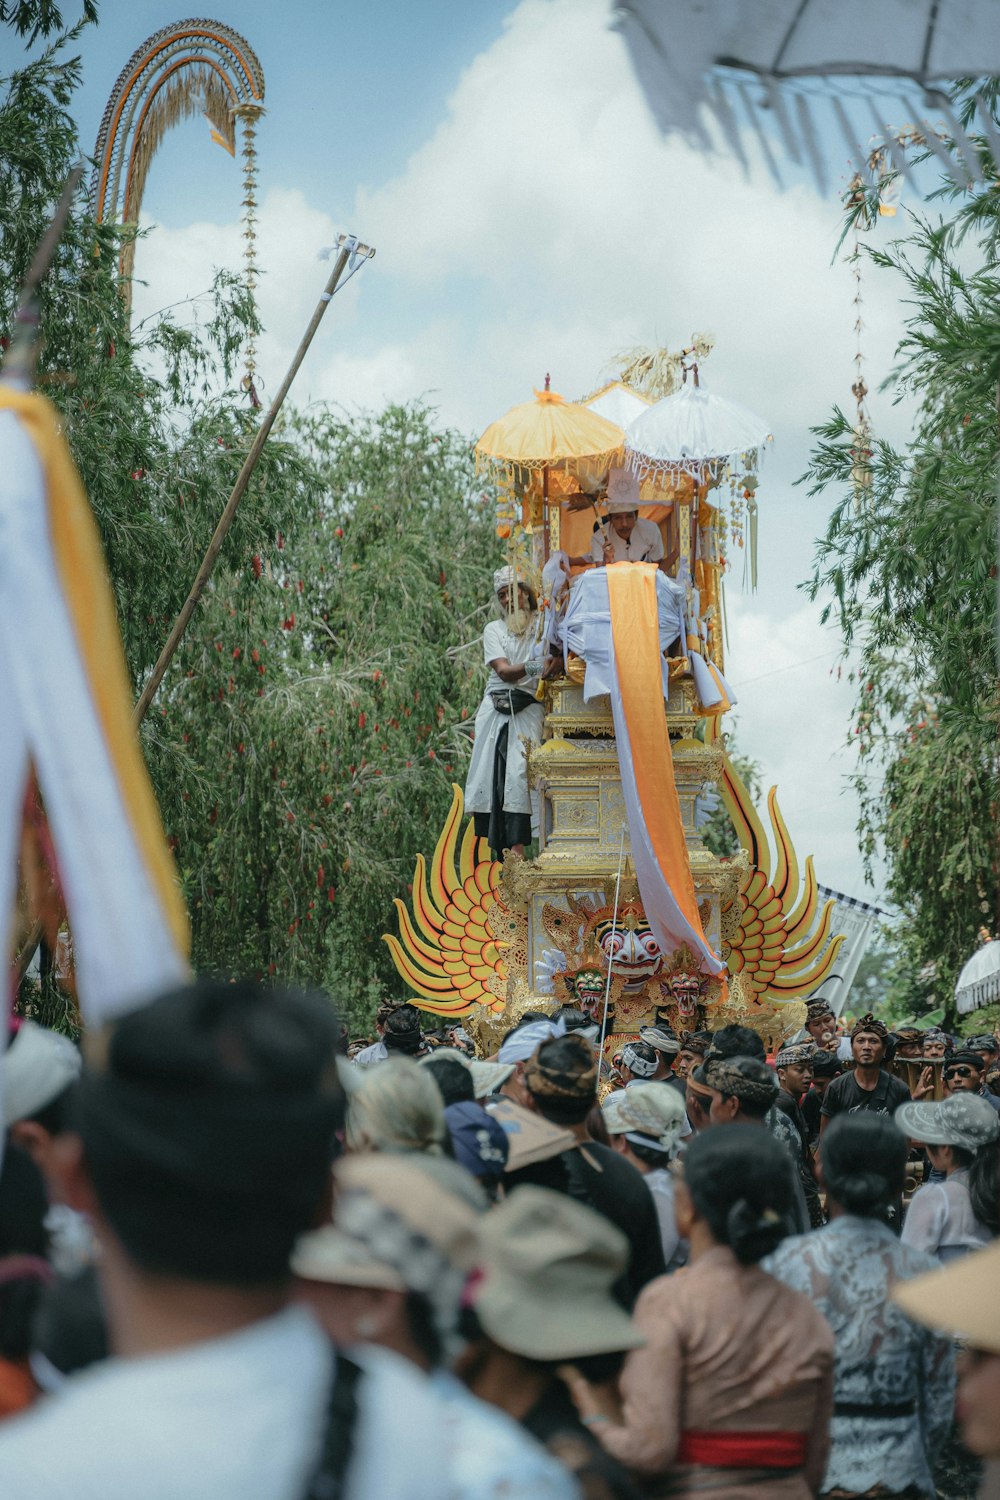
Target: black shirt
(604,1180)
(844,1097)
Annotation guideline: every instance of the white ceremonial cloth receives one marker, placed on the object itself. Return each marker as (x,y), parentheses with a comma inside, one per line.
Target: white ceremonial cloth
(499,642)
(644,545)
(228,1419)
(123,950)
(587,628)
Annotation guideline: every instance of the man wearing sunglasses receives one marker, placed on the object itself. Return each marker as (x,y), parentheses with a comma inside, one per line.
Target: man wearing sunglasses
(965,1072)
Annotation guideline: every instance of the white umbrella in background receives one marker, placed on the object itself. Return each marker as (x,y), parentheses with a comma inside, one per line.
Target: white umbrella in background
(618,403)
(979,982)
(697,433)
(795,69)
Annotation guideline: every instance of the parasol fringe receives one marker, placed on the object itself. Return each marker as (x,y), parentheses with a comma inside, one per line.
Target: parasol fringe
(698,469)
(505,471)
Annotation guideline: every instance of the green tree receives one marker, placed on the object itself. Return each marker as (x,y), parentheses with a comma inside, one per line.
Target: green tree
(907,569)
(304,741)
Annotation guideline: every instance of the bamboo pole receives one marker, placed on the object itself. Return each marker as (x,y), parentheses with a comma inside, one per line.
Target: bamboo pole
(239,489)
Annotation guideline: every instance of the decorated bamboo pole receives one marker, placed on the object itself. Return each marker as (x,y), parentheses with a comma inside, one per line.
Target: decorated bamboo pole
(348,247)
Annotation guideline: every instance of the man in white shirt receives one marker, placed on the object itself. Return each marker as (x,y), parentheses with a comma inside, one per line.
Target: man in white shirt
(207,1123)
(626,537)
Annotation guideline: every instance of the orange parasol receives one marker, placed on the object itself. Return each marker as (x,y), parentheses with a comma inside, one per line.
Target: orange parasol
(546,434)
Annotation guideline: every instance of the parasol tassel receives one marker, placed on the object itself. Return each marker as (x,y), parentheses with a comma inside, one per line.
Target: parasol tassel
(752,537)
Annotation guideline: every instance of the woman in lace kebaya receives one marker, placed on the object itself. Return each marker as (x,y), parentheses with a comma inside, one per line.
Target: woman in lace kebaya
(894,1381)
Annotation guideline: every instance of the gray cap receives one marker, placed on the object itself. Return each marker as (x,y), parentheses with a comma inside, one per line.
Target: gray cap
(964,1120)
(37,1067)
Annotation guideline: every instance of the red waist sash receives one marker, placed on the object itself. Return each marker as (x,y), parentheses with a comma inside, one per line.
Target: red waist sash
(743,1450)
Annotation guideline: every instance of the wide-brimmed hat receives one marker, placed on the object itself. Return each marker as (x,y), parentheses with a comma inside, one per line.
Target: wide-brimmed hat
(961,1298)
(549,1265)
(964,1120)
(653,1112)
(487,1077)
(38,1066)
(435,1198)
(330,1255)
(530,1138)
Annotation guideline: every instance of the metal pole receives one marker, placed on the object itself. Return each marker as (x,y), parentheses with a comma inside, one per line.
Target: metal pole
(611,955)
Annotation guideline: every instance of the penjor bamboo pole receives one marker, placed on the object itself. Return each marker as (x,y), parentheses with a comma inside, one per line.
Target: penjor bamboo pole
(239,489)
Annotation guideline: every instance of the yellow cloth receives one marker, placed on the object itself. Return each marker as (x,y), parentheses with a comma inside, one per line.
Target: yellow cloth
(635,627)
(82,572)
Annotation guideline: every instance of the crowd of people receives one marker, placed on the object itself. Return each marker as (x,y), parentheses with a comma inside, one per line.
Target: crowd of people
(242,1256)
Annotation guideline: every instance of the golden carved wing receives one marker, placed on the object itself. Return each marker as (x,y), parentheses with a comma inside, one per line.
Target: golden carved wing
(772,943)
(449,950)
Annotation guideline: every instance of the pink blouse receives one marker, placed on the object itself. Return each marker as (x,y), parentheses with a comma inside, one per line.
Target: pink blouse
(729,1349)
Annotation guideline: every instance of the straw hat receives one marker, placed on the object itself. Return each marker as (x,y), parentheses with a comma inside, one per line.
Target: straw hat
(961,1298)
(549,1265)
(964,1120)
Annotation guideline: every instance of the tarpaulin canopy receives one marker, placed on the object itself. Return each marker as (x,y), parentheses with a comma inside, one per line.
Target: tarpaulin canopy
(795,70)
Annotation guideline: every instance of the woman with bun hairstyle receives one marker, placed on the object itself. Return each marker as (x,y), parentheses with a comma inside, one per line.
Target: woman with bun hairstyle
(894,1382)
(731,1394)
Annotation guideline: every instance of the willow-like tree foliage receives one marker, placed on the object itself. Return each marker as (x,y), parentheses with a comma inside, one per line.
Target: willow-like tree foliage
(908,569)
(304,741)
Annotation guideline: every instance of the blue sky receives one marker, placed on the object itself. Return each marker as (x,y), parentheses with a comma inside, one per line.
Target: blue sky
(529,217)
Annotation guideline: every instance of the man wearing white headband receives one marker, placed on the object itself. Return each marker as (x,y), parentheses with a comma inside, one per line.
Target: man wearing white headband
(496,789)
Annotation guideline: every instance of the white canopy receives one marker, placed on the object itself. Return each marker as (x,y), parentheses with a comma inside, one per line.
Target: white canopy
(979,982)
(618,403)
(694,432)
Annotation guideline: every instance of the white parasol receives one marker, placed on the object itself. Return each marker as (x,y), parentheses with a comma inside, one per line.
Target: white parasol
(798,70)
(696,433)
(979,982)
(618,403)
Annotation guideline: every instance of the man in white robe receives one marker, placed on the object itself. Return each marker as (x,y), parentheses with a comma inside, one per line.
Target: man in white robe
(496,790)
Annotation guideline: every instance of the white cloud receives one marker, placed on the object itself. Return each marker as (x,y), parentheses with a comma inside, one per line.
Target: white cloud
(793,718)
(545,226)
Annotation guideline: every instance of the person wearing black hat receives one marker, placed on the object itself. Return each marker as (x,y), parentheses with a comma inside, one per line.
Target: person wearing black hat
(825,1068)
(561,1085)
(965,1072)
